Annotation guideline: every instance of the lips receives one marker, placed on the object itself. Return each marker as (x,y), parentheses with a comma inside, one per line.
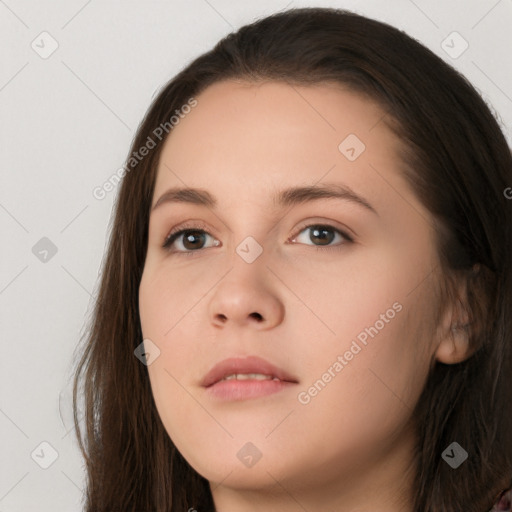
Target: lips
(246,365)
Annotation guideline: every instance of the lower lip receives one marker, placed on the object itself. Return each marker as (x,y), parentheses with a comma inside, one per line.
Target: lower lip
(244,389)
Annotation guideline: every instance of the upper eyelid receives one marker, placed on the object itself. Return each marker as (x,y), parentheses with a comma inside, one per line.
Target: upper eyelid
(345,232)
(189,226)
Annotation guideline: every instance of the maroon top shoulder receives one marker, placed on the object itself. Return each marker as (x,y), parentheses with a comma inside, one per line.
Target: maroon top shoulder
(504,502)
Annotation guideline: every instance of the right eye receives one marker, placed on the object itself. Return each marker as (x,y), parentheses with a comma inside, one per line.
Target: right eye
(192,242)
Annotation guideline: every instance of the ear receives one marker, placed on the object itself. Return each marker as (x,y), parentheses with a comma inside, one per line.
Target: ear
(453,332)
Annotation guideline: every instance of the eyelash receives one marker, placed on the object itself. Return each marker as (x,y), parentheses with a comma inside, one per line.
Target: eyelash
(174,234)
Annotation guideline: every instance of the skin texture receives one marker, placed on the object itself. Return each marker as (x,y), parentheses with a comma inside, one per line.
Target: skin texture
(350,447)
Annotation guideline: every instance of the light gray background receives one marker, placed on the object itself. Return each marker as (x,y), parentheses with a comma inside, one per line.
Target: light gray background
(67,122)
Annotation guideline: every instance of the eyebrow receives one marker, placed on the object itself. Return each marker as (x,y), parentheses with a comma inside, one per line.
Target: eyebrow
(284,198)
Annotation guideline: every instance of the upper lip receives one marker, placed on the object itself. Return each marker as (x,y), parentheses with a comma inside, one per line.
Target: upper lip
(250,364)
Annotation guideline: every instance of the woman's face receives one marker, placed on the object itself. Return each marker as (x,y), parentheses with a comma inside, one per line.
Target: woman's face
(346,310)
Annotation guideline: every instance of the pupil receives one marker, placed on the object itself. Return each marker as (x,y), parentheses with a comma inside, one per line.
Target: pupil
(189,238)
(322,237)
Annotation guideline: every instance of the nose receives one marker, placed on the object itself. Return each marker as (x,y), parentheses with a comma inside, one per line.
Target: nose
(247,298)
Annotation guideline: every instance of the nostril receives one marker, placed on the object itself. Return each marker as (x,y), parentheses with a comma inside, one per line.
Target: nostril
(257,316)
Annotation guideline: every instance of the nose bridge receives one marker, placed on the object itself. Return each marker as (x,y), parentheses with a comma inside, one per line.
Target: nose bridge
(254,232)
(246,232)
(248,266)
(251,251)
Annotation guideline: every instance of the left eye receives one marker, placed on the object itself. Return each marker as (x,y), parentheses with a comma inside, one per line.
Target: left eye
(324,233)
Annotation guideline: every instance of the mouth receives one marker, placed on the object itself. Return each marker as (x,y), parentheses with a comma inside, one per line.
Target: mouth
(244,378)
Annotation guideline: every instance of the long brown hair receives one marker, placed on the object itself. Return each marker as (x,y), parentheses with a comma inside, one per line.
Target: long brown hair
(459,165)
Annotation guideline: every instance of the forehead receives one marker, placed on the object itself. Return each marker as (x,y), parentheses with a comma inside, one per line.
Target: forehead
(246,139)
(272,118)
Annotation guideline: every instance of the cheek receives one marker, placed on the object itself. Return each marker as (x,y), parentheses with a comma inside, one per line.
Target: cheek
(166,302)
(168,310)
(383,327)
(161,309)
(368,403)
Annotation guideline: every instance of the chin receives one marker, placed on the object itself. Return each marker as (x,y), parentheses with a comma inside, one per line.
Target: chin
(230,469)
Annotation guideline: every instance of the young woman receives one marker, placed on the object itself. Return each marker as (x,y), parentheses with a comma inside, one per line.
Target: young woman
(306,301)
